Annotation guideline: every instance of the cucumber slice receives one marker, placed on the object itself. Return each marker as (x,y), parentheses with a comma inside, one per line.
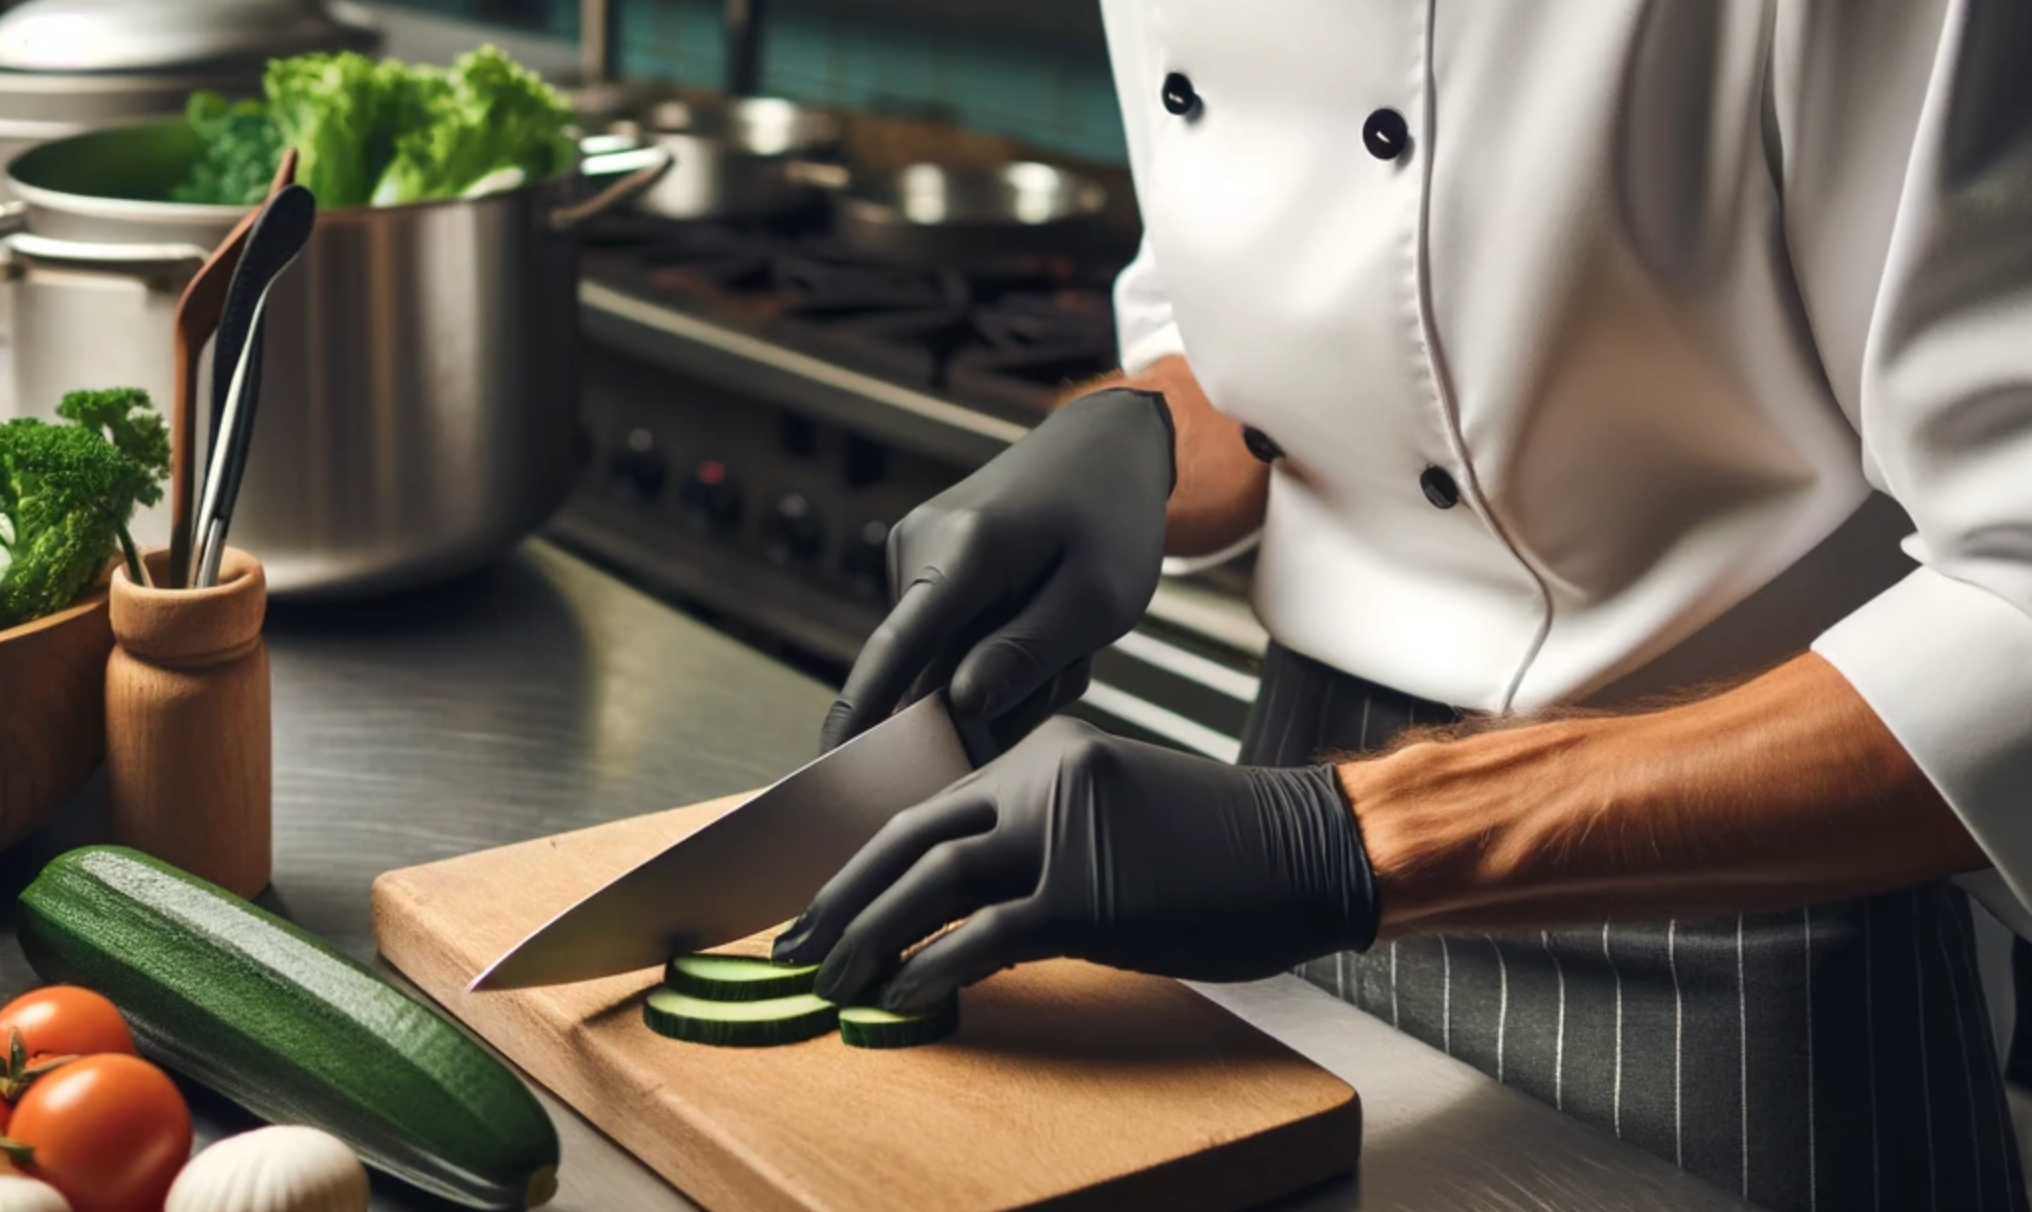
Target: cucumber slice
(872,1027)
(734,978)
(778,1020)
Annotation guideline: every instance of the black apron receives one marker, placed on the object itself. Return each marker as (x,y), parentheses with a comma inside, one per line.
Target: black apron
(1830,1059)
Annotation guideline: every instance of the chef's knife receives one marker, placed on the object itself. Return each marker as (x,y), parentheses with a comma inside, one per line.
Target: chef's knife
(756,867)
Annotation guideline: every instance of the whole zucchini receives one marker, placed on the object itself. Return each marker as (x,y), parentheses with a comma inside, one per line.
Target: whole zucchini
(276,1020)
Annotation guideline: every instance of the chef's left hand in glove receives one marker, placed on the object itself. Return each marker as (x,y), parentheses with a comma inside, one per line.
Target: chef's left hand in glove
(1077,843)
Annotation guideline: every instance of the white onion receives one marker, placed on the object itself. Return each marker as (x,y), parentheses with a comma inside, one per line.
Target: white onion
(281,1169)
(19,1193)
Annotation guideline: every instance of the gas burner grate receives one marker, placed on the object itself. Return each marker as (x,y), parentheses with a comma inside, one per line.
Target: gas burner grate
(818,286)
(1009,338)
(911,347)
(1028,320)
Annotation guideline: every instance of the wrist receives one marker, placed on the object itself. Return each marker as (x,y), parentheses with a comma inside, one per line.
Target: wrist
(1329,866)
(1464,825)
(1221,490)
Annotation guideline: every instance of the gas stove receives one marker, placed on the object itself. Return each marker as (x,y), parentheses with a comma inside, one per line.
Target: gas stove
(1008,341)
(764,403)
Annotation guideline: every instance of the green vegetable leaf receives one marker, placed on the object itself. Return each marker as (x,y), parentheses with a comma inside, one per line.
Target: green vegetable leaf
(379,133)
(339,112)
(241,149)
(130,422)
(493,113)
(68,493)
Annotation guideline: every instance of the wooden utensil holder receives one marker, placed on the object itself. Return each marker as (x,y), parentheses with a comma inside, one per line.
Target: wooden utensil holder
(188,746)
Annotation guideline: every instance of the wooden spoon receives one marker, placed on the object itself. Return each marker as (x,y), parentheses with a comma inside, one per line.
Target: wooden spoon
(197,318)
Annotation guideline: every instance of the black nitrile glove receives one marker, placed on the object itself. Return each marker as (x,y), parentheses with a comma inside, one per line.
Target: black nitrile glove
(1006,583)
(1078,843)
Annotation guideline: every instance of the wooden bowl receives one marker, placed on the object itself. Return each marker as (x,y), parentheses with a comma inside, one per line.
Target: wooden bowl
(52,711)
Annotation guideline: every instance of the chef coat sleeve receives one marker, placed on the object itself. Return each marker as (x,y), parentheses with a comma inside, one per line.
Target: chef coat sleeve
(1143,321)
(1912,238)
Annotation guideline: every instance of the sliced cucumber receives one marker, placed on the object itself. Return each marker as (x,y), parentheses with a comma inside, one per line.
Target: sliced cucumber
(734,978)
(871,1027)
(778,1020)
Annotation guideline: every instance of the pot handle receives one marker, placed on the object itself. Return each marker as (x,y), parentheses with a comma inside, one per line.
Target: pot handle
(819,174)
(599,146)
(13,218)
(103,256)
(648,164)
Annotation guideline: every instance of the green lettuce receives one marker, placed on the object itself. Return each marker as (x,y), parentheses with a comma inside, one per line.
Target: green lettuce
(241,149)
(491,114)
(343,114)
(369,133)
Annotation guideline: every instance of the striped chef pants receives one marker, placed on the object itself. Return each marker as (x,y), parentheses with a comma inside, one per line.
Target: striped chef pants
(1831,1059)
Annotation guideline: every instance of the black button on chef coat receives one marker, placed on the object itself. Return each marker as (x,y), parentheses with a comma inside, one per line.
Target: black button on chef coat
(1179,95)
(1439,488)
(1385,134)
(1261,446)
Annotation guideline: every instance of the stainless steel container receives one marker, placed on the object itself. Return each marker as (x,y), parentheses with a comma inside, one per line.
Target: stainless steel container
(68,66)
(421,368)
(973,216)
(747,157)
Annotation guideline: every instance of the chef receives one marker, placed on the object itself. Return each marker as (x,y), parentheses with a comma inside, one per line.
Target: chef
(1632,406)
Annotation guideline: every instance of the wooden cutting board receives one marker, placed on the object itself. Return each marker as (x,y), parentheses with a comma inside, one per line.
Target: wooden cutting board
(1067,1085)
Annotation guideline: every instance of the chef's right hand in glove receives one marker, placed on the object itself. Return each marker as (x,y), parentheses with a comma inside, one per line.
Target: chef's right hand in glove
(1007,583)
(1078,843)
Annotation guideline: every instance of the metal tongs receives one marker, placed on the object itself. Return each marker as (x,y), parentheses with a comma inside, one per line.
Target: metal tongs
(197,318)
(277,237)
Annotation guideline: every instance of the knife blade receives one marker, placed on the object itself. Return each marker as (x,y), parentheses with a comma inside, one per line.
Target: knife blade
(755,867)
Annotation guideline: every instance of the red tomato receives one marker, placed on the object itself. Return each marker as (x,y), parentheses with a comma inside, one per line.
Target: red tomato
(64,1020)
(110,1132)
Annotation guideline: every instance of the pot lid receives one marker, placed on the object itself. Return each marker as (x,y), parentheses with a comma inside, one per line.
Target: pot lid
(155,36)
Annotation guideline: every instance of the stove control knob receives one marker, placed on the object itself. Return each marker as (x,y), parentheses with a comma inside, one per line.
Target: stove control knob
(639,465)
(866,559)
(867,461)
(712,497)
(795,532)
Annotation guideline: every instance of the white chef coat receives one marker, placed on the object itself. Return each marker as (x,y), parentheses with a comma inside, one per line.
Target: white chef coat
(1666,289)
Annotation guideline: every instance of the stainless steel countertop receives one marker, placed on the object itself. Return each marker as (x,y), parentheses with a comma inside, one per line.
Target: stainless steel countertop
(541,695)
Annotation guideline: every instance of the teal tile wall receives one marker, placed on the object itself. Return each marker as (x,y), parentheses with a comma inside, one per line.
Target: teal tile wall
(1054,93)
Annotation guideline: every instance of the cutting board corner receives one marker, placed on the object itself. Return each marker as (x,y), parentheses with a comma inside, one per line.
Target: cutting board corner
(388,887)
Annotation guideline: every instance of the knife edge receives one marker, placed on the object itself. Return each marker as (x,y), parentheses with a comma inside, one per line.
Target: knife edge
(849,793)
